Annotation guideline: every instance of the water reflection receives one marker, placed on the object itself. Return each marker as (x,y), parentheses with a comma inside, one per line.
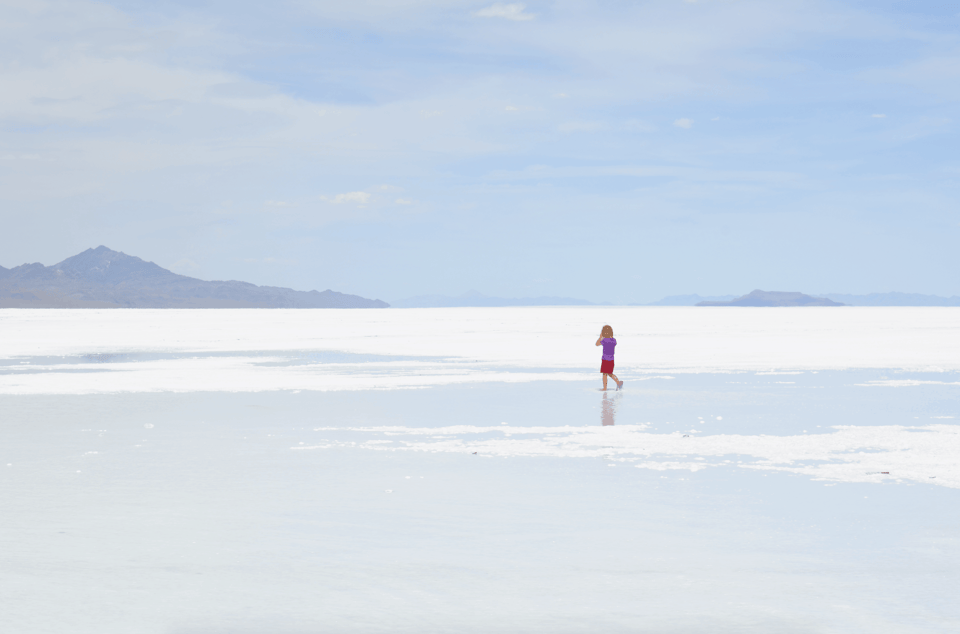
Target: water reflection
(608,408)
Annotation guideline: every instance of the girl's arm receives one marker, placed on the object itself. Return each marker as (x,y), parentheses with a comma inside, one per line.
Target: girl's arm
(600,340)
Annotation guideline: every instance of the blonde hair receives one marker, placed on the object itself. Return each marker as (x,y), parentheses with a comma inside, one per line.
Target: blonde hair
(606,331)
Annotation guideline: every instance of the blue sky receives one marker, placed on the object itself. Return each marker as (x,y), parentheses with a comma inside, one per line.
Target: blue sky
(612,151)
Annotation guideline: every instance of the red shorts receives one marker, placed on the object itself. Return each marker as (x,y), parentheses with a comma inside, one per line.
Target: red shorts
(606,367)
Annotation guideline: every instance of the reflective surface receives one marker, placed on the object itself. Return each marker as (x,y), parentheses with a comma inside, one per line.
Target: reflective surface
(772,500)
(608,408)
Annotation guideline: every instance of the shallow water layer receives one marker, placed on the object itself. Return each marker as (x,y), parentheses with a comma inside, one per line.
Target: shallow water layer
(773,499)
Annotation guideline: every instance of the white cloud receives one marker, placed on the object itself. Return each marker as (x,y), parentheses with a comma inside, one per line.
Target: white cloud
(100,107)
(359,198)
(403,201)
(505,11)
(684,123)
(879,116)
(511,108)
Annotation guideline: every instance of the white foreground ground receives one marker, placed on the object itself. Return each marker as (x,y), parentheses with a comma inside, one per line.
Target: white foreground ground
(457,470)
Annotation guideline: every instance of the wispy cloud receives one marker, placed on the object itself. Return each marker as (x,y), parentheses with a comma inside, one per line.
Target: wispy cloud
(102,104)
(636,125)
(505,11)
(185,266)
(582,126)
(359,198)
(404,201)
(699,175)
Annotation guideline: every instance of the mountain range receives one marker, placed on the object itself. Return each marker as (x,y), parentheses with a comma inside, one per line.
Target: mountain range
(873,299)
(774,298)
(103,278)
(893,299)
(475,299)
(687,300)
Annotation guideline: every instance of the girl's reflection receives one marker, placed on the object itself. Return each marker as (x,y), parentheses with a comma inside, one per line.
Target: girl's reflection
(608,409)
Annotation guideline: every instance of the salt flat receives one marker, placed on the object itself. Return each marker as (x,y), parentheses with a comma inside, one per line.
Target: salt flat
(765,470)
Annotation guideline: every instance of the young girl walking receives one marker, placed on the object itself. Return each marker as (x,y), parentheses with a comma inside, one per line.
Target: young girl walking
(606,363)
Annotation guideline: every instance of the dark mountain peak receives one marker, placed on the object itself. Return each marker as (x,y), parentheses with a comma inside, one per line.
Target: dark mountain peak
(774,298)
(103,278)
(106,266)
(35,271)
(101,257)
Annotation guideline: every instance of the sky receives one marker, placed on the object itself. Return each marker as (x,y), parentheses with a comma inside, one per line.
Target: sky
(609,151)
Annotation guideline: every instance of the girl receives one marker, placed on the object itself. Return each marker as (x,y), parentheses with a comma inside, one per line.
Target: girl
(606,364)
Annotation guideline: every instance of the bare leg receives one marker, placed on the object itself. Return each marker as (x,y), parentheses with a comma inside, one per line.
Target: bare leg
(614,377)
(604,382)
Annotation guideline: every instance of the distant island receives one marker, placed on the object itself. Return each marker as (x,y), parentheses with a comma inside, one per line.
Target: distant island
(873,299)
(893,299)
(774,298)
(102,278)
(687,300)
(473,299)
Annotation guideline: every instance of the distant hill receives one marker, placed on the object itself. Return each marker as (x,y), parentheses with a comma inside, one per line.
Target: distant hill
(102,278)
(688,300)
(873,299)
(774,298)
(894,299)
(475,299)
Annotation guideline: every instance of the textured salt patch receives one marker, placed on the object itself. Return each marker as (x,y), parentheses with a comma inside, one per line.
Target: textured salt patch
(903,383)
(849,454)
(246,374)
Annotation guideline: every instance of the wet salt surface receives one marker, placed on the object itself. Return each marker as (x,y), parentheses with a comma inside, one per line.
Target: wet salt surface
(748,500)
(203,512)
